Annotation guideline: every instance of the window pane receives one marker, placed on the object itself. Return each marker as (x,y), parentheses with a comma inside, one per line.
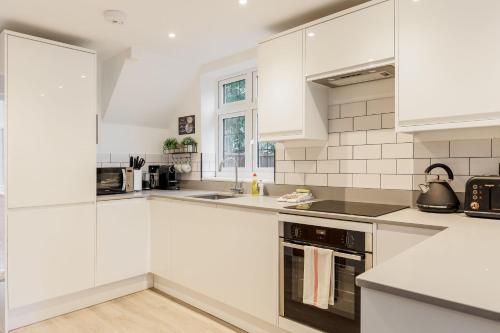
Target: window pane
(265,155)
(234,141)
(234,91)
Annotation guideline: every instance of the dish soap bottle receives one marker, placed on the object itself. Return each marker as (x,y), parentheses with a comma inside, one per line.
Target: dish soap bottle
(255,186)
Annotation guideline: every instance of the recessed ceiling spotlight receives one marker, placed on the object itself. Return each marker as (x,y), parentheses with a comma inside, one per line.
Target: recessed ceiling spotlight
(83,76)
(243,2)
(171,35)
(114,16)
(311,34)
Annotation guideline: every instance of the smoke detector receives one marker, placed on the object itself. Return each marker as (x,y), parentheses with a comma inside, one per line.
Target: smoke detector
(114,16)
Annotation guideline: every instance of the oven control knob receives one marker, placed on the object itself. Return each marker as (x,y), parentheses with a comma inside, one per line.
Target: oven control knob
(474,205)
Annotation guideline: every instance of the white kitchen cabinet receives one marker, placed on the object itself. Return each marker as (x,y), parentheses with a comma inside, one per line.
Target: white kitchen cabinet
(50,252)
(289,108)
(226,253)
(51,112)
(122,240)
(392,240)
(448,68)
(361,37)
(160,237)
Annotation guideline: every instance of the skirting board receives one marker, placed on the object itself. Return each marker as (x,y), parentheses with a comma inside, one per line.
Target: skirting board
(55,307)
(215,308)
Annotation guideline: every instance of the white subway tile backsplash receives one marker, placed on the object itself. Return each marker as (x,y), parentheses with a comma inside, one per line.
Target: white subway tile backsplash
(111,165)
(388,120)
(334,139)
(285,166)
(316,153)
(396,182)
(294,179)
(432,149)
(341,152)
(366,181)
(381,136)
(484,166)
(305,166)
(412,166)
(404,137)
(331,166)
(367,152)
(368,122)
(397,150)
(295,154)
(340,180)
(279,178)
(119,158)
(279,152)
(334,111)
(495,148)
(340,125)
(353,138)
(382,105)
(353,166)
(316,180)
(381,166)
(353,109)
(470,148)
(459,166)
(417,180)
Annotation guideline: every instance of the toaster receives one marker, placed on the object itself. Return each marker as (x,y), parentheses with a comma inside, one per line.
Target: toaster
(482,197)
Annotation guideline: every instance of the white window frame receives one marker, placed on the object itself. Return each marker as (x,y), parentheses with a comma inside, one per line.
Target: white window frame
(247,108)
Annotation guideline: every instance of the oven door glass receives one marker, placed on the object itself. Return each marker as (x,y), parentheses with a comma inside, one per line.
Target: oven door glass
(110,180)
(344,315)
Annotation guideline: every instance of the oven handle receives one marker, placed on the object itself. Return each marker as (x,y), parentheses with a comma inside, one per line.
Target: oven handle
(335,253)
(124,185)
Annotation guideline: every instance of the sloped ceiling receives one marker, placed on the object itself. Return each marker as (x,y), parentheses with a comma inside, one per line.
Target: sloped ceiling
(158,74)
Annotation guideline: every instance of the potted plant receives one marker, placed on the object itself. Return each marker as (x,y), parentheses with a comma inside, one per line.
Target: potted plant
(190,144)
(170,145)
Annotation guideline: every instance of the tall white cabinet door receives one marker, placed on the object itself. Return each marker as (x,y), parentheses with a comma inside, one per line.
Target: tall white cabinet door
(50,252)
(161,216)
(357,38)
(51,114)
(122,240)
(281,86)
(448,64)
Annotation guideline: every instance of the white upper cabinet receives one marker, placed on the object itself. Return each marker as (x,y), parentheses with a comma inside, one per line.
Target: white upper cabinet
(358,38)
(51,112)
(448,64)
(289,108)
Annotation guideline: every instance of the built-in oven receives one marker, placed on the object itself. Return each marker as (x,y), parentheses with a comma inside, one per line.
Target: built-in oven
(115,180)
(351,244)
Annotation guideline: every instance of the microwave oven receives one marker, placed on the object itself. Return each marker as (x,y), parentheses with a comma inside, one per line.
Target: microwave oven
(115,180)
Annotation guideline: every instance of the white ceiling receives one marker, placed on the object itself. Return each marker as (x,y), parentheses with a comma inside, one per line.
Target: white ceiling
(206,30)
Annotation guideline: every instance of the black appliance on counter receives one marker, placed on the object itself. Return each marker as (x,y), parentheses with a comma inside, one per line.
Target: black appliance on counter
(348,207)
(482,197)
(114,180)
(437,196)
(168,178)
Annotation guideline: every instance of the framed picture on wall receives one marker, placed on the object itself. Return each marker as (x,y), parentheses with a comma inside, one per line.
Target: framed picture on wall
(186,125)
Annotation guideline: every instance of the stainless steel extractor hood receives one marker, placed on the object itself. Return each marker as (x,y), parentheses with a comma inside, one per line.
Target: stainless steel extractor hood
(365,75)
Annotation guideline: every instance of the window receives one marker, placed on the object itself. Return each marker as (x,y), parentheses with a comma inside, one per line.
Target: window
(238,130)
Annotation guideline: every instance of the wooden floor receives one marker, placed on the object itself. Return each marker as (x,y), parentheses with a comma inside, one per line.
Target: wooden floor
(143,312)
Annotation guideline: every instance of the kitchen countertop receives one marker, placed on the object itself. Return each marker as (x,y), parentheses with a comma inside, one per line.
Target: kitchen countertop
(458,268)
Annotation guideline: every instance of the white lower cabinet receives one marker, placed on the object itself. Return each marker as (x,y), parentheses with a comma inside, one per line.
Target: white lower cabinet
(393,240)
(226,253)
(122,240)
(50,252)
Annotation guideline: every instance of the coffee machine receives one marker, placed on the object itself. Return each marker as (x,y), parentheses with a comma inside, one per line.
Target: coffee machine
(168,178)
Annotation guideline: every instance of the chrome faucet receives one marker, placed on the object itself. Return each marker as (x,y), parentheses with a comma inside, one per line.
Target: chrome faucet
(238,187)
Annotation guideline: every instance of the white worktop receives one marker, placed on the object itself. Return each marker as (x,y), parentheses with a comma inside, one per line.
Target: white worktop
(458,268)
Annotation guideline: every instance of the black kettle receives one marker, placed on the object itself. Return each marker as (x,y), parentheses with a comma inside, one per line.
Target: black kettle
(437,196)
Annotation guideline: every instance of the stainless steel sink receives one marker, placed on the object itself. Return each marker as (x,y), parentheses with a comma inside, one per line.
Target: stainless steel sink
(213,196)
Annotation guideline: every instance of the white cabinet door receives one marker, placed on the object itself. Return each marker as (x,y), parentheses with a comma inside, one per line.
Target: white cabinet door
(51,112)
(393,240)
(281,86)
(358,38)
(50,252)
(122,240)
(448,65)
(161,215)
(227,254)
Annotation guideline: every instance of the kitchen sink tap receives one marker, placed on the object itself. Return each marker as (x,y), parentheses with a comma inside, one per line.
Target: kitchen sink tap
(238,186)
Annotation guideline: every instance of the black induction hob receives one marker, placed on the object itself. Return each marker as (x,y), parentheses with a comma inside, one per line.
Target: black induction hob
(348,207)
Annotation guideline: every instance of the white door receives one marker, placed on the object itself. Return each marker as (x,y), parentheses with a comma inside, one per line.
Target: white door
(50,252)
(358,38)
(122,240)
(51,112)
(448,63)
(281,86)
